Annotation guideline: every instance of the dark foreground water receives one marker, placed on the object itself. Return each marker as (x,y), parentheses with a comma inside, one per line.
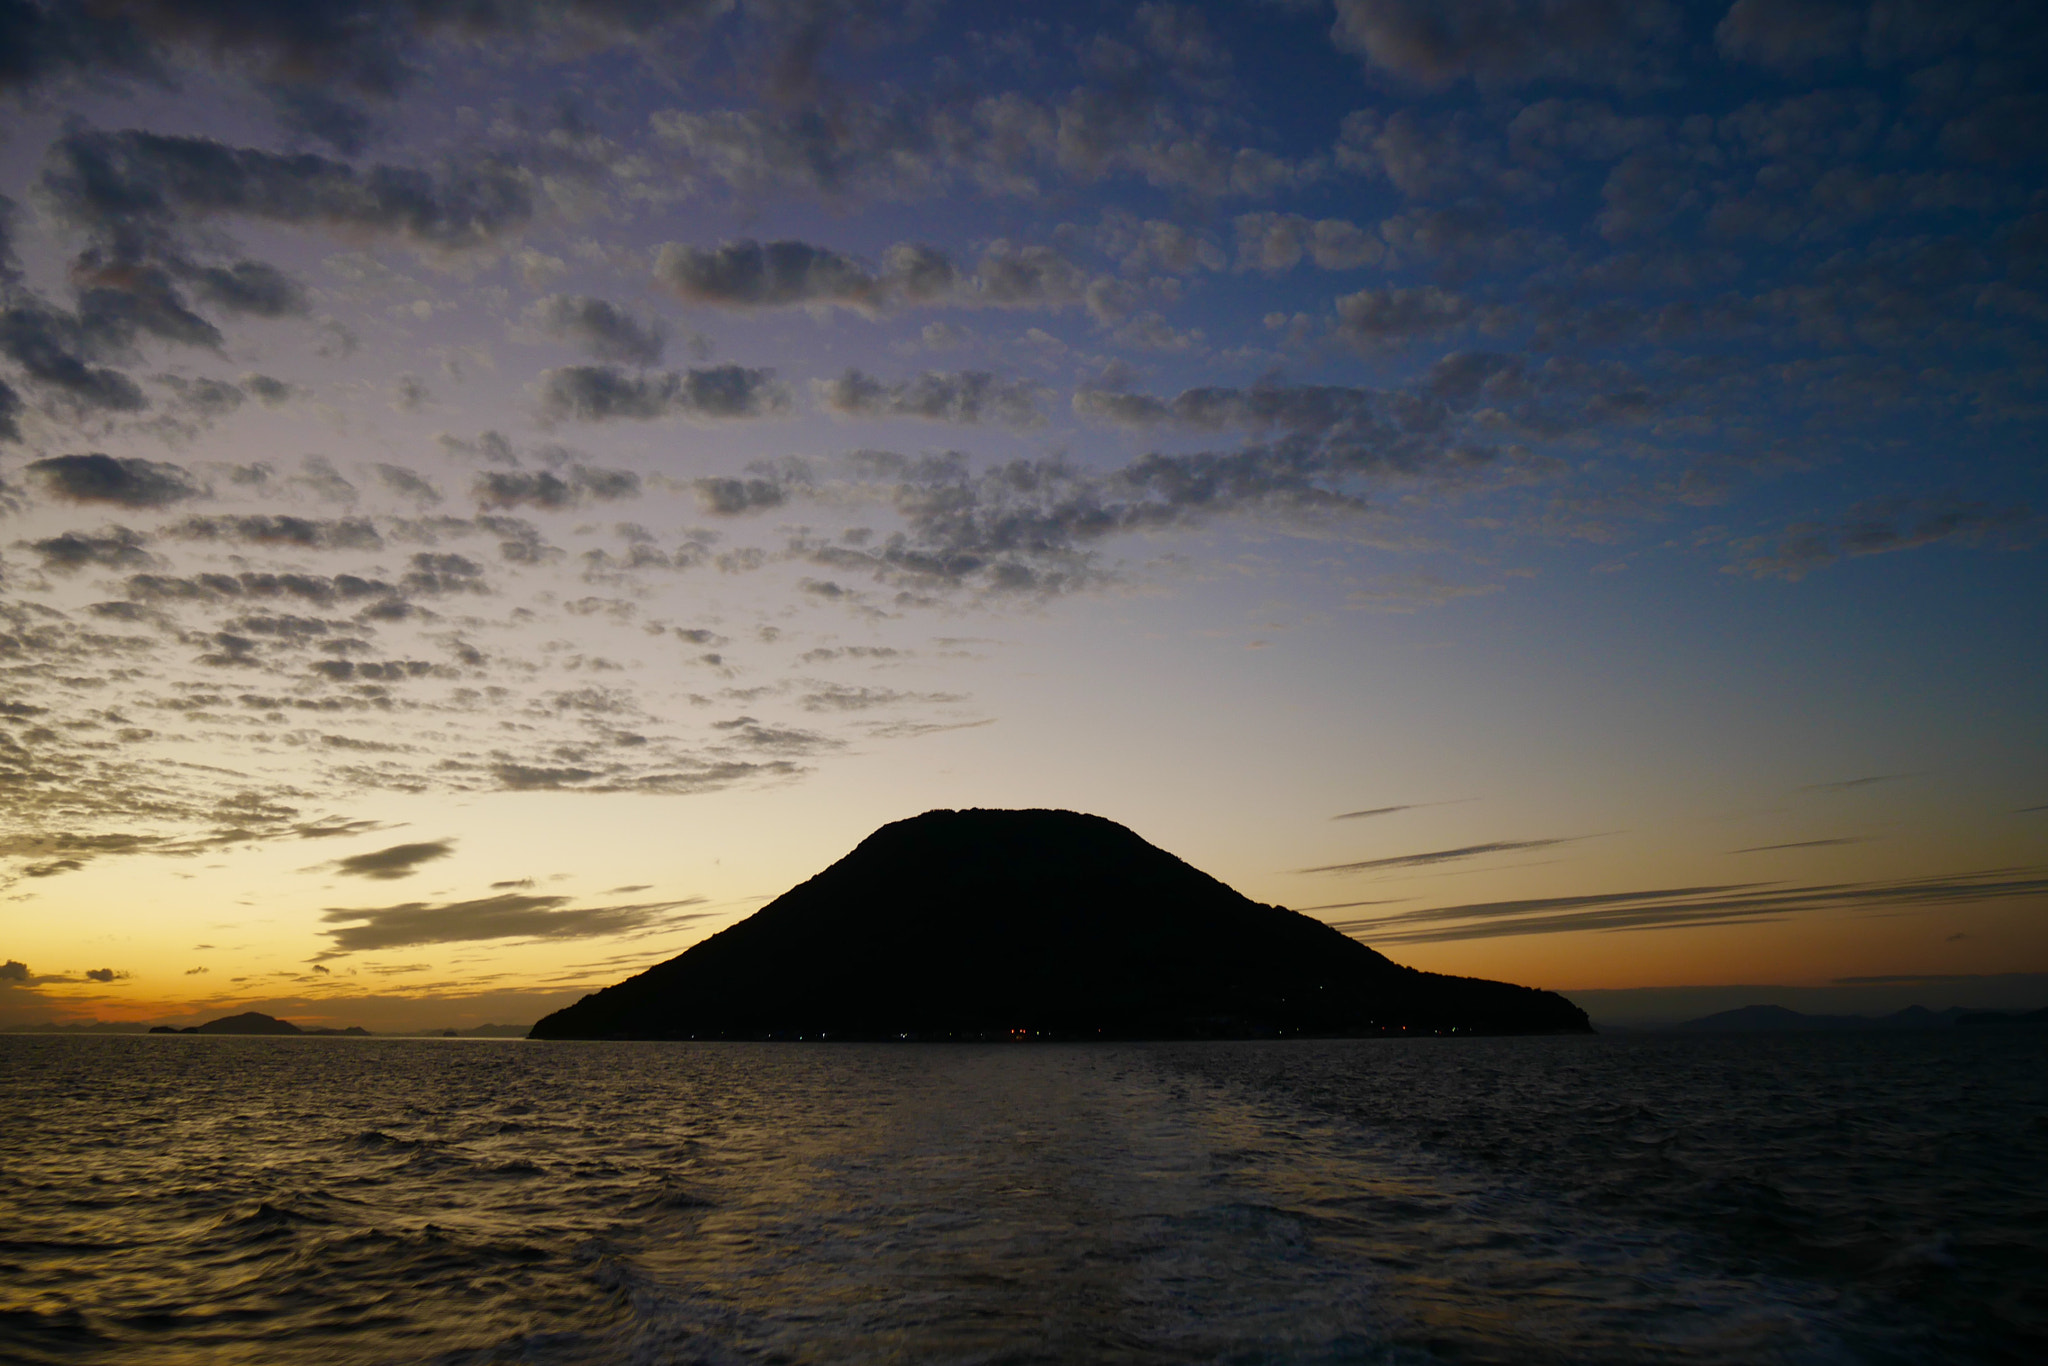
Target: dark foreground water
(1648,1199)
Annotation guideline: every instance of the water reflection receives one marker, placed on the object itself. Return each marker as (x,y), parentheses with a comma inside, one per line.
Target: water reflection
(225,1200)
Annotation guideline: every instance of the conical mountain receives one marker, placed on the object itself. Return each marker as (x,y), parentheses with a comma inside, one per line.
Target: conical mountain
(980,924)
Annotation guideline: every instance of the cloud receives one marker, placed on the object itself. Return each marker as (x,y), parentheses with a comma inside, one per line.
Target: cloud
(408,483)
(250,287)
(1682,907)
(301,54)
(400,860)
(130,188)
(1370,812)
(249,583)
(1373,319)
(893,144)
(329,828)
(14,973)
(115,547)
(727,497)
(126,481)
(551,492)
(965,397)
(1030,525)
(1800,844)
(1141,245)
(509,916)
(1880,527)
(305,533)
(610,333)
(1851,784)
(103,975)
(1789,34)
(836,697)
(266,390)
(1505,43)
(1307,409)
(1273,242)
(56,349)
(603,393)
(210,398)
(1413,591)
(1437,856)
(749,275)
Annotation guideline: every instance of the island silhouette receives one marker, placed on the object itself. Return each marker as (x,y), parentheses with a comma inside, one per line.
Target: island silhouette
(995,924)
(256,1022)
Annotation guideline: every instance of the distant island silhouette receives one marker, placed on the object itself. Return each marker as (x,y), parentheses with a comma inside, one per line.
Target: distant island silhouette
(1760,1019)
(256,1022)
(991,924)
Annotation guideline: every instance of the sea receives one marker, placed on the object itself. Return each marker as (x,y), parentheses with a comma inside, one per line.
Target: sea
(1615,1198)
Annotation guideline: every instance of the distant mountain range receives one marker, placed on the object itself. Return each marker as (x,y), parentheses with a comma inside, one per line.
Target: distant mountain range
(1768,1018)
(1037,925)
(254,1022)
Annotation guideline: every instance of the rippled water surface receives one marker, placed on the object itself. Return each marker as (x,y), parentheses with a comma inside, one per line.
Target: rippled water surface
(1650,1199)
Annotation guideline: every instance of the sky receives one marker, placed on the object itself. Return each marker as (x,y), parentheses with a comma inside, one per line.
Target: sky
(493,493)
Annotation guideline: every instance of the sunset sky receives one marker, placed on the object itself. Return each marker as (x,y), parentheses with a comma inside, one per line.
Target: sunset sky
(493,493)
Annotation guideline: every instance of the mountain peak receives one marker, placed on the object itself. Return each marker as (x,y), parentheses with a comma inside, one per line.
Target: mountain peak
(1041,923)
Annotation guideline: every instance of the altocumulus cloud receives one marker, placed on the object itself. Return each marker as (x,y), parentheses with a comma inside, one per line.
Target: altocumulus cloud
(127,481)
(509,916)
(969,396)
(400,860)
(603,393)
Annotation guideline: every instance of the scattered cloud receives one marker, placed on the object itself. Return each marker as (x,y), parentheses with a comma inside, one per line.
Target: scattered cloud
(966,397)
(1503,44)
(125,481)
(506,916)
(112,548)
(400,860)
(605,393)
(548,492)
(606,330)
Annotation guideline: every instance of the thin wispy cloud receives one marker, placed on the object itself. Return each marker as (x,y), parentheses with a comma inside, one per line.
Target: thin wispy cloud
(1802,844)
(1693,907)
(1436,856)
(1348,905)
(1370,812)
(1851,784)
